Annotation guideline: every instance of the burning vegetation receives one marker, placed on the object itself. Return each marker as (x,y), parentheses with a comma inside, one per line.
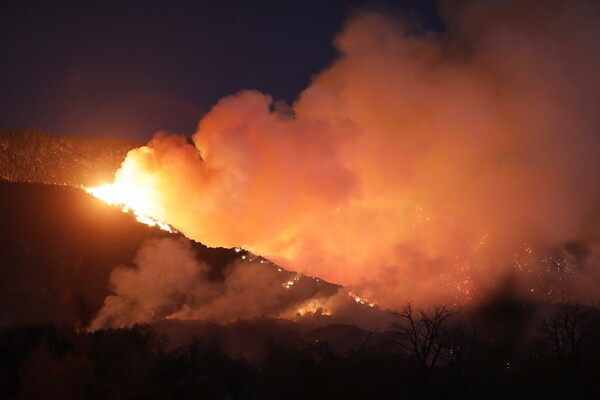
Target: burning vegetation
(448,180)
(430,168)
(130,201)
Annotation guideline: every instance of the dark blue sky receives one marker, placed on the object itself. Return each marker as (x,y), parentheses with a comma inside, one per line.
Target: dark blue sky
(127,69)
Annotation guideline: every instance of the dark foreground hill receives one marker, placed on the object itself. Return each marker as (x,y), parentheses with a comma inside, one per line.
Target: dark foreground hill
(58,246)
(36,156)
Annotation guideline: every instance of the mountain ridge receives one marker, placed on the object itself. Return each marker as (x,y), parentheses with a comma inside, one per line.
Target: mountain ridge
(35,156)
(60,243)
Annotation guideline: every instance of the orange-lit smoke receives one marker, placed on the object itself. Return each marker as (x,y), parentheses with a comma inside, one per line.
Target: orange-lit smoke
(416,167)
(168,281)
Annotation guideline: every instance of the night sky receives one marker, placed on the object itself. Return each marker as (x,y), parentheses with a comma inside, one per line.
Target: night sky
(127,69)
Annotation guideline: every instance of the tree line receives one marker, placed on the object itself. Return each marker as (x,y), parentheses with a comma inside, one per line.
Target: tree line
(426,353)
(37,156)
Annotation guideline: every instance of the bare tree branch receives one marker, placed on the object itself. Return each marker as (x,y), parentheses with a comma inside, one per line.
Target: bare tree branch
(423,333)
(566,332)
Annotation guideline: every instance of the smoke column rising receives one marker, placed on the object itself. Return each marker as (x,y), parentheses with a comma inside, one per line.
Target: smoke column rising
(423,167)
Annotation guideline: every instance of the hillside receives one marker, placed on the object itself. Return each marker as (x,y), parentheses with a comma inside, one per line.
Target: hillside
(58,246)
(39,157)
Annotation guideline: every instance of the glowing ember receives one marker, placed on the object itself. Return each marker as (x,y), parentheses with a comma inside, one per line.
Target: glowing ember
(311,307)
(291,282)
(130,201)
(361,300)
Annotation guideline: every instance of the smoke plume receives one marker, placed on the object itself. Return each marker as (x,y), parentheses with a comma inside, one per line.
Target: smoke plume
(168,281)
(421,167)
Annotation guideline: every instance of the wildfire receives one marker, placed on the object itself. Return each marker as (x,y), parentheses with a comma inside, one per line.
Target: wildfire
(311,307)
(292,281)
(130,201)
(361,300)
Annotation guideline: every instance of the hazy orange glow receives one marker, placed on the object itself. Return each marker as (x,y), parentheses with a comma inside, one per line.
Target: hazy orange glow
(414,168)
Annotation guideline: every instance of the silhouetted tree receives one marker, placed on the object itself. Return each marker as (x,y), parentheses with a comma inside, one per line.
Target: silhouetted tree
(424,334)
(323,350)
(566,332)
(465,351)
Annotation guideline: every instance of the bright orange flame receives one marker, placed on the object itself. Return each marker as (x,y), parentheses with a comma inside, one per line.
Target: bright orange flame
(361,300)
(129,199)
(119,194)
(312,307)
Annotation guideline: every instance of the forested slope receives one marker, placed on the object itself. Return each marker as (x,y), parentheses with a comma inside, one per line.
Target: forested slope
(39,157)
